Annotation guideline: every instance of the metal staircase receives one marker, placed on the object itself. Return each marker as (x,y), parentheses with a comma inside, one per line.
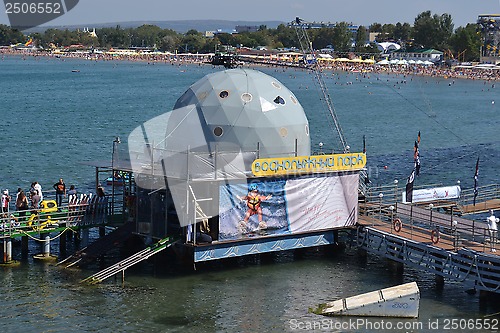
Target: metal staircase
(130,261)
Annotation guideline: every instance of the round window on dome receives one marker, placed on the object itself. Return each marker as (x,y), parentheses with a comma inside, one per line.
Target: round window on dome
(246,97)
(279,100)
(294,100)
(276,84)
(283,132)
(218,131)
(223,94)
(307,130)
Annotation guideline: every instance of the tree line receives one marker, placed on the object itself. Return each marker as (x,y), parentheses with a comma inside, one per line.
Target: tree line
(428,31)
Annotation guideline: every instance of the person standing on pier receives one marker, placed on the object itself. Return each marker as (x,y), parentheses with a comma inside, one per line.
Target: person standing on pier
(492,221)
(5,201)
(38,188)
(21,202)
(60,188)
(35,199)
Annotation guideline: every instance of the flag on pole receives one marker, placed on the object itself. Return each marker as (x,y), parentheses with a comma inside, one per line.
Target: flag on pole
(409,186)
(475,180)
(416,155)
(367,179)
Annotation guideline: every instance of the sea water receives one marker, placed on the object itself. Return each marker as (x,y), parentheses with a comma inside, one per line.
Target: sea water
(58,114)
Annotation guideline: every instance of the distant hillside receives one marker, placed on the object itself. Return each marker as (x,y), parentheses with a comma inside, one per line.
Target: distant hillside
(181,26)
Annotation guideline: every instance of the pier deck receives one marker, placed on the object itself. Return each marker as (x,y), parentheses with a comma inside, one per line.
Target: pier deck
(480,207)
(449,246)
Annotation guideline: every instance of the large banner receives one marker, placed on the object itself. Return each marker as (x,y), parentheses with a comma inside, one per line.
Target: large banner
(435,193)
(287,206)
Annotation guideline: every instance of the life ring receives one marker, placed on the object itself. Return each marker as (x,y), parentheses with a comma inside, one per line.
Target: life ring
(397,225)
(435,236)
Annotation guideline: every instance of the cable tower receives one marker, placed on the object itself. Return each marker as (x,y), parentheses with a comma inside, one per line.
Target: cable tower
(308,51)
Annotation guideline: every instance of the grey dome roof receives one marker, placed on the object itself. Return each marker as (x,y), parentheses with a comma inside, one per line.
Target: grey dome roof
(250,110)
(219,126)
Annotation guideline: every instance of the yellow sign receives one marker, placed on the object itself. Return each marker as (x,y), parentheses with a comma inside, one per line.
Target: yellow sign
(308,164)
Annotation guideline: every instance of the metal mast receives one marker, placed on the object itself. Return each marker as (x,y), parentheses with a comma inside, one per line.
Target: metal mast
(306,48)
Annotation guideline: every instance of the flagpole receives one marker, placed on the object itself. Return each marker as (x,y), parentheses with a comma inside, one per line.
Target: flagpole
(476,174)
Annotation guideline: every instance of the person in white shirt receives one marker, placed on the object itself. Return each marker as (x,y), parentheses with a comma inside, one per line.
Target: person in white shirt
(492,221)
(5,201)
(38,187)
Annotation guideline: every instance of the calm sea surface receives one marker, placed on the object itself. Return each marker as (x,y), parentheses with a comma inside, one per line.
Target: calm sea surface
(53,119)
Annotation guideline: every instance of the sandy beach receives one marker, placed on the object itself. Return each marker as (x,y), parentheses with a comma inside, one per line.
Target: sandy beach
(458,72)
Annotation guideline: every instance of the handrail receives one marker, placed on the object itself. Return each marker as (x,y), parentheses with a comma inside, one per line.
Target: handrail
(129,261)
(86,210)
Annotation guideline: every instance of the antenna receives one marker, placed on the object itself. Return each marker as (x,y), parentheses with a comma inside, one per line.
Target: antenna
(306,48)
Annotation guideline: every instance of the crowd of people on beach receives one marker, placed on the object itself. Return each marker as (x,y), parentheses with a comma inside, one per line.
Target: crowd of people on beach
(466,72)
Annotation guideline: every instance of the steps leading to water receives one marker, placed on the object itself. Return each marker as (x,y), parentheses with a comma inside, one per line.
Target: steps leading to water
(130,261)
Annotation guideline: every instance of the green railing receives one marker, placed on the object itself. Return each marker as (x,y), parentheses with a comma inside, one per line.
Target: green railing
(85,211)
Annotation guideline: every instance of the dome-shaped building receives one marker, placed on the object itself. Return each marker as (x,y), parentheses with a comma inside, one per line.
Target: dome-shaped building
(220,125)
(250,110)
(193,171)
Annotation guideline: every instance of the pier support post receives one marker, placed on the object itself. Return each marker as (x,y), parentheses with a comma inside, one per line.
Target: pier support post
(362,253)
(7,250)
(102,231)
(85,237)
(396,266)
(24,247)
(439,281)
(46,246)
(45,255)
(62,245)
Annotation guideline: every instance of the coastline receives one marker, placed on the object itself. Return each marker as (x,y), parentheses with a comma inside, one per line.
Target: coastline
(485,74)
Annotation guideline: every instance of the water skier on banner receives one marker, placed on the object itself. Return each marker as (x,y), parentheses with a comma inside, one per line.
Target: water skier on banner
(253,200)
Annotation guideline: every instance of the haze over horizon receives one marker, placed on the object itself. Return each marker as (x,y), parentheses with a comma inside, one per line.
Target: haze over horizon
(362,12)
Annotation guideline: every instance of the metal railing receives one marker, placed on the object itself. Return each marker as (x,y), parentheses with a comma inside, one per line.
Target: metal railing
(82,211)
(425,222)
(475,270)
(484,193)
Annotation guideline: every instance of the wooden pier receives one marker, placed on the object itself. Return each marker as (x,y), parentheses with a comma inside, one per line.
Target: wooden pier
(434,237)
(51,222)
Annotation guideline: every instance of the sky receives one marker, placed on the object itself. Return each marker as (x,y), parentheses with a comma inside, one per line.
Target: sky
(358,12)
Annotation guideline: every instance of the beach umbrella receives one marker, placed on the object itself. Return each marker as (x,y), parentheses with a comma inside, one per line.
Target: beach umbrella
(383,62)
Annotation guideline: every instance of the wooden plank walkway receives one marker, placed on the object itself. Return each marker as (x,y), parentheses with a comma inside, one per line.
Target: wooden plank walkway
(424,235)
(435,238)
(480,207)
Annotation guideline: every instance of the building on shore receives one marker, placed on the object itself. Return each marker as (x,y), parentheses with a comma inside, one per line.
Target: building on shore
(489,27)
(431,55)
